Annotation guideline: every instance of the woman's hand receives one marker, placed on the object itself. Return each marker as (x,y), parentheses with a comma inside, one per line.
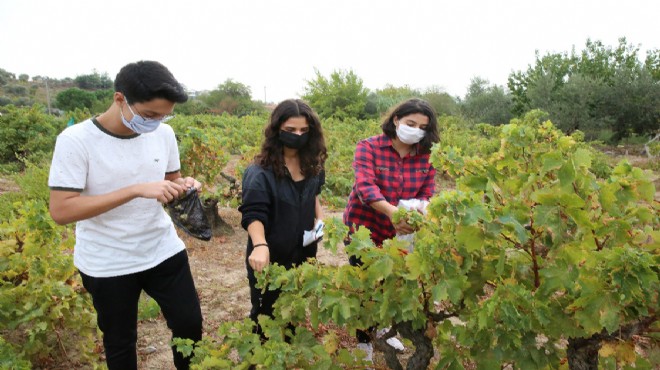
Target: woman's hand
(259,258)
(403,228)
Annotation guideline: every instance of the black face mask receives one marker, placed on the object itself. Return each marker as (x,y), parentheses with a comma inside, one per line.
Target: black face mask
(293,141)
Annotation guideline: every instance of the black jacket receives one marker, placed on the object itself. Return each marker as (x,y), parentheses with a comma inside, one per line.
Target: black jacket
(284,212)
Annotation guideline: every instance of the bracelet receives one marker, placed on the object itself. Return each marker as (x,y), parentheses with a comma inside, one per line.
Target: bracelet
(260,245)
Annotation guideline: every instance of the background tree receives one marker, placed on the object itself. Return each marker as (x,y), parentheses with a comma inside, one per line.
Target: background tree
(341,95)
(6,77)
(652,63)
(380,101)
(191,107)
(485,103)
(231,97)
(443,103)
(94,81)
(73,98)
(17,90)
(26,132)
(579,90)
(632,104)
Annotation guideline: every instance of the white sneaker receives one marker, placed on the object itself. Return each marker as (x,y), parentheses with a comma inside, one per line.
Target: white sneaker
(393,342)
(368,349)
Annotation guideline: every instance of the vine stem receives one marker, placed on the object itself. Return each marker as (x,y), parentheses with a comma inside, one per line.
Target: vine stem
(59,341)
(537,280)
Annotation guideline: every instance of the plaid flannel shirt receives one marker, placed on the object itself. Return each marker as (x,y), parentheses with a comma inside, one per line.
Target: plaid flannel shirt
(381,174)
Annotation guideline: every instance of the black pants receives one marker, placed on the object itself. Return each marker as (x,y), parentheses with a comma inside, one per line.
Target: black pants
(115,299)
(262,304)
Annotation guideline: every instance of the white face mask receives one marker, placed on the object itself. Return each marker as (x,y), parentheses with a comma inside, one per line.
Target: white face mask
(409,135)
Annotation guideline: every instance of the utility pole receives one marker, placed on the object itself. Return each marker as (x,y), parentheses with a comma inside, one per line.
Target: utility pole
(265,101)
(47,94)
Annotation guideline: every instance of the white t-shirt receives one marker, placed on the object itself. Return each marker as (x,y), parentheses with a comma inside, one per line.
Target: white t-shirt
(137,235)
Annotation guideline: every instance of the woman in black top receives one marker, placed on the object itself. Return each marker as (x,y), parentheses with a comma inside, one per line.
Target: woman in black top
(280,195)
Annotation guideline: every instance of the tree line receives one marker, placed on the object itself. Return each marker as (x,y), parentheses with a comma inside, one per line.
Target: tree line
(609,93)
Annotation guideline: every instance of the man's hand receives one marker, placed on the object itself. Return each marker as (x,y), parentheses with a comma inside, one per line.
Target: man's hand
(259,258)
(188,182)
(163,191)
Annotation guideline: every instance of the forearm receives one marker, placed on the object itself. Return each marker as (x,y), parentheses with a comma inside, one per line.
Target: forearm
(318,210)
(65,208)
(384,207)
(257,232)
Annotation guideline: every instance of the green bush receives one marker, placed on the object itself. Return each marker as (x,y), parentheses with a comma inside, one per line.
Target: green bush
(25,132)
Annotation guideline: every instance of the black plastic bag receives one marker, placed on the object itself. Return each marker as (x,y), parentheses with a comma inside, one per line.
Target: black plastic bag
(188,214)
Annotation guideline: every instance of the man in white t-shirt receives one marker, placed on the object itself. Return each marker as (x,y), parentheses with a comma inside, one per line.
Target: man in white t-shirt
(111,174)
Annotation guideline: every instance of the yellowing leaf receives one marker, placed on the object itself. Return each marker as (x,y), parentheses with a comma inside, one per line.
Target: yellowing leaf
(607,350)
(330,342)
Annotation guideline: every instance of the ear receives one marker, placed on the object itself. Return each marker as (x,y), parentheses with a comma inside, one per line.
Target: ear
(118,98)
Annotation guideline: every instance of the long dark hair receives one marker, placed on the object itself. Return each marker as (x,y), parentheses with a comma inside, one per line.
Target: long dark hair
(312,155)
(412,106)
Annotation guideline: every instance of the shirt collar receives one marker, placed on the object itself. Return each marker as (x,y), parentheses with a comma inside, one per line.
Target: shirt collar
(384,141)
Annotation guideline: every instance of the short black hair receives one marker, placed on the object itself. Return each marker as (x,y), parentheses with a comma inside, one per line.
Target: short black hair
(412,106)
(146,80)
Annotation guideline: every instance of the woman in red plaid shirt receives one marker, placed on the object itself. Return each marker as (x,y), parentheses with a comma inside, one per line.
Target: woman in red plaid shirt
(388,168)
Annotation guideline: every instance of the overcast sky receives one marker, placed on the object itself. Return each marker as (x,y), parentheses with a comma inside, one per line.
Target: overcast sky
(274,46)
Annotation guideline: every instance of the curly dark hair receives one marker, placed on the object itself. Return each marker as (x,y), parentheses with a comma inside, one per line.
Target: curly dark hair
(312,155)
(412,106)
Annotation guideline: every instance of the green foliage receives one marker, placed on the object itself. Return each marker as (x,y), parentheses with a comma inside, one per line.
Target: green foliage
(26,132)
(231,97)
(75,98)
(632,103)
(238,348)
(17,90)
(207,141)
(380,101)
(443,103)
(192,107)
(10,358)
(486,104)
(94,81)
(471,139)
(598,88)
(341,95)
(6,77)
(652,63)
(341,137)
(40,291)
(148,308)
(531,248)
(32,183)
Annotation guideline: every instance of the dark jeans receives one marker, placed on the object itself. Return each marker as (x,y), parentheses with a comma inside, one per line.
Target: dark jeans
(115,299)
